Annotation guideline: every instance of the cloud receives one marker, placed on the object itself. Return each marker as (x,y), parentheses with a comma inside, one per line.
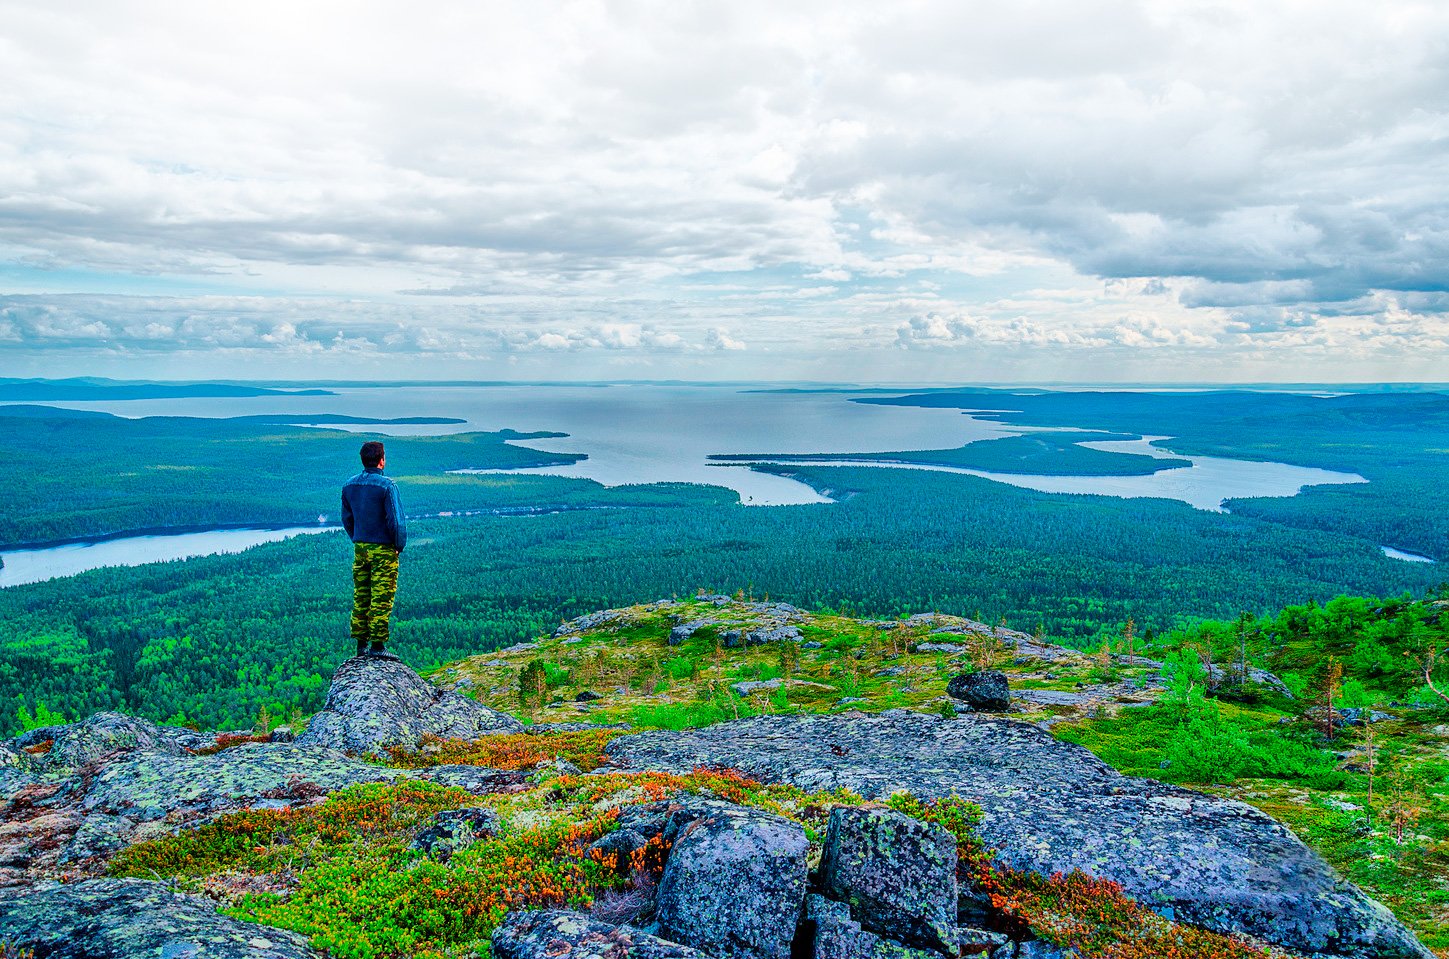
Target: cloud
(634,179)
(720,339)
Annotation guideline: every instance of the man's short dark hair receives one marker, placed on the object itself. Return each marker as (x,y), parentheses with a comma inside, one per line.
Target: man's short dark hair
(371,453)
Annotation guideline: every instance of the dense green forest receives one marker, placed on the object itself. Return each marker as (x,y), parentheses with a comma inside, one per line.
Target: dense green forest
(1051,453)
(215,638)
(1398,441)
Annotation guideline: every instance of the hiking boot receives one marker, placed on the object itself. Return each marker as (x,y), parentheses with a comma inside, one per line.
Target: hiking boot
(381,652)
(362,647)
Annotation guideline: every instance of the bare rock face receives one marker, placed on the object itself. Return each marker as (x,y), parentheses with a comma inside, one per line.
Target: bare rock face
(378,704)
(1051,806)
(734,883)
(898,875)
(552,933)
(121,918)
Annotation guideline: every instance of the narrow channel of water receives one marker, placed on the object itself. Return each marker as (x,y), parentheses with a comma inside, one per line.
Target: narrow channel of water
(53,562)
(1392,553)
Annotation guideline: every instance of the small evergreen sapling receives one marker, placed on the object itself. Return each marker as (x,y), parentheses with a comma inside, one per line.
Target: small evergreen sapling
(1329,685)
(532,684)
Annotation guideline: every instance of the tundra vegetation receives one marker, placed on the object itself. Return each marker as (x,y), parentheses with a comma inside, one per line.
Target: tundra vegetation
(1373,799)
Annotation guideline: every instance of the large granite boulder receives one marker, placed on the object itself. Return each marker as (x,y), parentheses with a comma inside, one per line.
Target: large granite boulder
(986,690)
(734,882)
(377,704)
(1052,807)
(897,873)
(122,918)
(553,933)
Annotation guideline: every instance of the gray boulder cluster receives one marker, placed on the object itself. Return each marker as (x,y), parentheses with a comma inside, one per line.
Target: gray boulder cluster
(1049,807)
(743,623)
(737,885)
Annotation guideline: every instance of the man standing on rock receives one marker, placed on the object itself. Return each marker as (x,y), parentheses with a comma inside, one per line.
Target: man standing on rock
(372,515)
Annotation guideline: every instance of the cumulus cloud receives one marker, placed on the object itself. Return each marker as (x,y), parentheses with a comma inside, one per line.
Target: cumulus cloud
(638,178)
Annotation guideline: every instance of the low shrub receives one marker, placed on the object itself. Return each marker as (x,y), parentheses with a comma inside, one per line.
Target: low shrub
(584,749)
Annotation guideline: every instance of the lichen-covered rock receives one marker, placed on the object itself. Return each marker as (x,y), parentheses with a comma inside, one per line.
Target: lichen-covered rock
(124,918)
(475,779)
(79,744)
(1051,806)
(898,875)
(145,794)
(18,769)
(555,933)
(453,830)
(543,729)
(734,882)
(986,690)
(684,631)
(377,704)
(830,933)
(1041,949)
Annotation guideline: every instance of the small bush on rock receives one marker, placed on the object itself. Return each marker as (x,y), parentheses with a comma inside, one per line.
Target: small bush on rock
(583,748)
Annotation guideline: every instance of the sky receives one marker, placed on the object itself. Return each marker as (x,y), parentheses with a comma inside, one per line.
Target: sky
(924,191)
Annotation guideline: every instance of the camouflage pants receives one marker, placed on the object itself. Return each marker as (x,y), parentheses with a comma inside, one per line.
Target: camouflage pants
(374,582)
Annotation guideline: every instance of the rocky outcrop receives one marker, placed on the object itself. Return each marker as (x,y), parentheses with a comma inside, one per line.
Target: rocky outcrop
(684,631)
(734,883)
(122,918)
(144,794)
(454,830)
(120,780)
(986,690)
(897,874)
(1050,806)
(733,638)
(377,704)
(103,734)
(555,933)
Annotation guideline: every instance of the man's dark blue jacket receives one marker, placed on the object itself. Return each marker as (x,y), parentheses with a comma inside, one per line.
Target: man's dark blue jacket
(372,511)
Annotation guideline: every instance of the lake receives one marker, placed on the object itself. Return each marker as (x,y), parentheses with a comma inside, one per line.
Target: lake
(53,562)
(665,433)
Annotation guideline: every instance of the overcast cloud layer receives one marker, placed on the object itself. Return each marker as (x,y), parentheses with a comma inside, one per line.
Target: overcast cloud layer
(932,191)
